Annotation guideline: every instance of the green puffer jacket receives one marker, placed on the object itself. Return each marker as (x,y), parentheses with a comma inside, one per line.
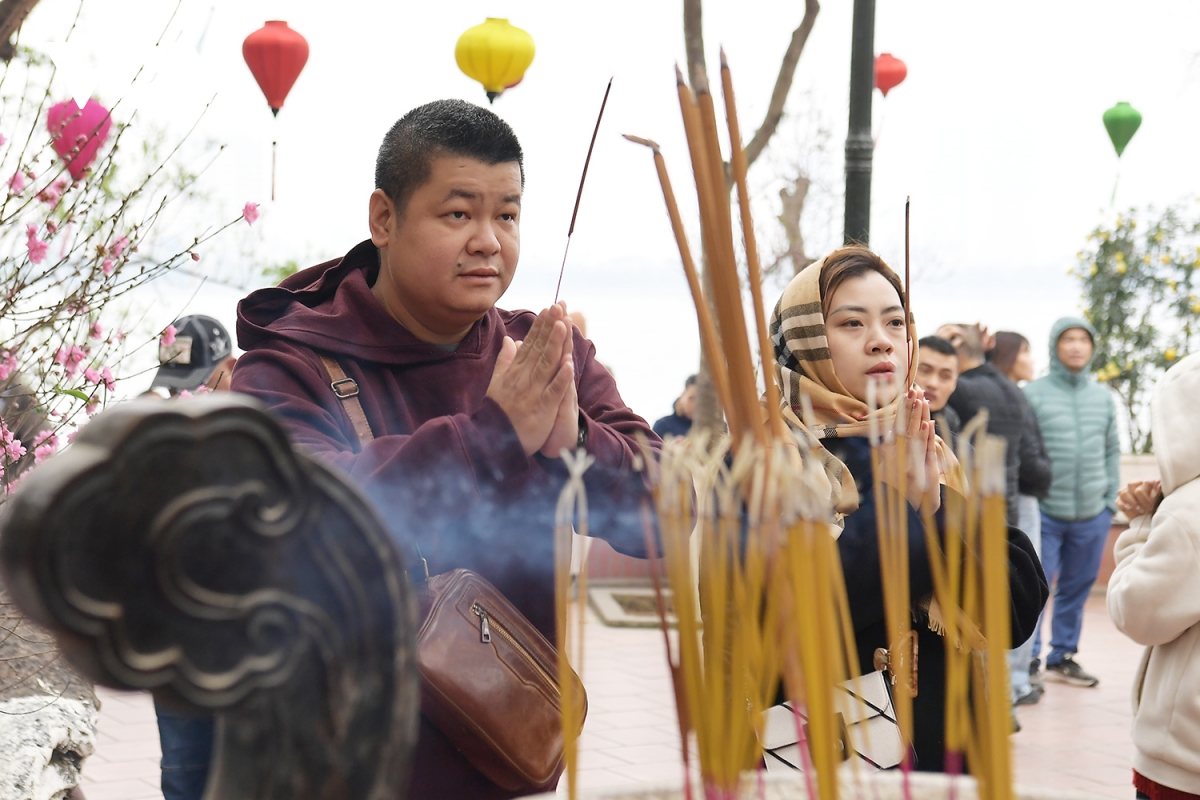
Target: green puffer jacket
(1079,423)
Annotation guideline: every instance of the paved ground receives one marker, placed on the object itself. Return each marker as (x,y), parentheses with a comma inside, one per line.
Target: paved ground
(1075,738)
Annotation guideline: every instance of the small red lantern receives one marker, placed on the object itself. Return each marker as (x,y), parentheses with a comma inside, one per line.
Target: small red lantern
(275,54)
(890,72)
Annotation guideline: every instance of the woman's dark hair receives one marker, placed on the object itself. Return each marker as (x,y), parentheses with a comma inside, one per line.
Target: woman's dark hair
(1008,347)
(852,262)
(443,127)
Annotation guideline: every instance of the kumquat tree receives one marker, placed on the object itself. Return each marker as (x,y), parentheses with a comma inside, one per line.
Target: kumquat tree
(1141,291)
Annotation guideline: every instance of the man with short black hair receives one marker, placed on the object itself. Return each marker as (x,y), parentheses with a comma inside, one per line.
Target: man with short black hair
(460,409)
(937,375)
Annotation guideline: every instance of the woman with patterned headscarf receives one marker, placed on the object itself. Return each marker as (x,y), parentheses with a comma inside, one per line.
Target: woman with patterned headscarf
(842,342)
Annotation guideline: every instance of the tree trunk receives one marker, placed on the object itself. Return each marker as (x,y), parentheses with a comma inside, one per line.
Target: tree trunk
(12,14)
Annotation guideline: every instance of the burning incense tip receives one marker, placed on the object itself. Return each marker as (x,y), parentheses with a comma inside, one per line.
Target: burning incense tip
(653,145)
(724,63)
(679,76)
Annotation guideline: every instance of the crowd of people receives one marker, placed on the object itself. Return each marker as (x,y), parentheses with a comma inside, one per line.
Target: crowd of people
(457,412)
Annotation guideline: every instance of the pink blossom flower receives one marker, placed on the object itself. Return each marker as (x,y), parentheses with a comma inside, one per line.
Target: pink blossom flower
(3,140)
(50,226)
(106,375)
(17,182)
(168,336)
(108,266)
(37,248)
(184,394)
(92,408)
(121,335)
(70,358)
(250,213)
(91,375)
(51,194)
(8,365)
(9,444)
(118,246)
(97,331)
(71,436)
(44,446)
(195,256)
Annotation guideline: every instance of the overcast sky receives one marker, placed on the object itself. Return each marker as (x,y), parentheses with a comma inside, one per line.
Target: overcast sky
(995,134)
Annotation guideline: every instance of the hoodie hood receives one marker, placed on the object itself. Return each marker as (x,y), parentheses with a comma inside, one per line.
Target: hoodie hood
(330,308)
(1059,369)
(1175,424)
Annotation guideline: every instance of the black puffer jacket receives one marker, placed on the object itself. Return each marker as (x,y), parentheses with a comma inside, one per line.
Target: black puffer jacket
(1009,416)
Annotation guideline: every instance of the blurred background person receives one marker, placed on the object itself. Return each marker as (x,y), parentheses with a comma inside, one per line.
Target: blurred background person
(1012,356)
(982,387)
(1078,419)
(679,421)
(199,355)
(937,375)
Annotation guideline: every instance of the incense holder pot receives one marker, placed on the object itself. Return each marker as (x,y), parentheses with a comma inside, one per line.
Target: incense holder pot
(854,785)
(185,548)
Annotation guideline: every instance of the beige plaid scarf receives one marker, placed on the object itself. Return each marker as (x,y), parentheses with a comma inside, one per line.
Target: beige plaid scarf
(803,367)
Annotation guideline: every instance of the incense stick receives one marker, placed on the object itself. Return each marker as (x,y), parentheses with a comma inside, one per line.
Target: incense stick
(907,278)
(709,341)
(737,159)
(579,194)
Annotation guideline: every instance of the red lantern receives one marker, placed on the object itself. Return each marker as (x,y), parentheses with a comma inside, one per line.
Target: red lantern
(76,134)
(889,72)
(275,54)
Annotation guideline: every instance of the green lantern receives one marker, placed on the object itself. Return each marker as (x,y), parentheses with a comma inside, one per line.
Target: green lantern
(1121,121)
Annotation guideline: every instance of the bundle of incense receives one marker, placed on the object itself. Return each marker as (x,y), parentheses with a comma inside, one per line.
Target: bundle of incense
(570,516)
(770,585)
(773,604)
(970,579)
(889,460)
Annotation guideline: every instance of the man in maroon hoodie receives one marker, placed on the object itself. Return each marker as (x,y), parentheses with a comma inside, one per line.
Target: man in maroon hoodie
(469,406)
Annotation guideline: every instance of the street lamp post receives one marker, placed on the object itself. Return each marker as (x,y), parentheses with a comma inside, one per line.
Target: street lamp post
(859,146)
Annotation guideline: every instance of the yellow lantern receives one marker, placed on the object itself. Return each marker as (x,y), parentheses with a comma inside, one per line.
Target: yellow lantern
(496,54)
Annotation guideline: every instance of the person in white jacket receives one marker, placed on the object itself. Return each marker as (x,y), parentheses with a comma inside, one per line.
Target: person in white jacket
(1154,593)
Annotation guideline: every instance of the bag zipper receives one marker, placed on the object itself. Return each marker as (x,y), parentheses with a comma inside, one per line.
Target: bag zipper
(486,624)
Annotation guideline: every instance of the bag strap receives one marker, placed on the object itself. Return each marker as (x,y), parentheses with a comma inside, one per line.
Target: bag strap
(346,389)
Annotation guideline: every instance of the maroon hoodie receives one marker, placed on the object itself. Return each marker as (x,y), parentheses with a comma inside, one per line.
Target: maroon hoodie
(446,469)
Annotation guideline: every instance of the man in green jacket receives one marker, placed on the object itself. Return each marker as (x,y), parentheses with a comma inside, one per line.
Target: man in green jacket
(1079,424)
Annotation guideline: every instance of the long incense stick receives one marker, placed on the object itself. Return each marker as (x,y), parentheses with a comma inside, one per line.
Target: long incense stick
(907,278)
(709,341)
(579,194)
(737,160)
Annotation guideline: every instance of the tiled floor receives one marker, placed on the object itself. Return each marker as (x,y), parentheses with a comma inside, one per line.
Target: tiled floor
(1075,738)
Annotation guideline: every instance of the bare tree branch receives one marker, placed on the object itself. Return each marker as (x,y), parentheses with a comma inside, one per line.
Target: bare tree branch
(792,201)
(783,83)
(693,43)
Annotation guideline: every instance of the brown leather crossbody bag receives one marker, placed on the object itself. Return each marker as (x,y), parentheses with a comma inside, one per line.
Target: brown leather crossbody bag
(488,676)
